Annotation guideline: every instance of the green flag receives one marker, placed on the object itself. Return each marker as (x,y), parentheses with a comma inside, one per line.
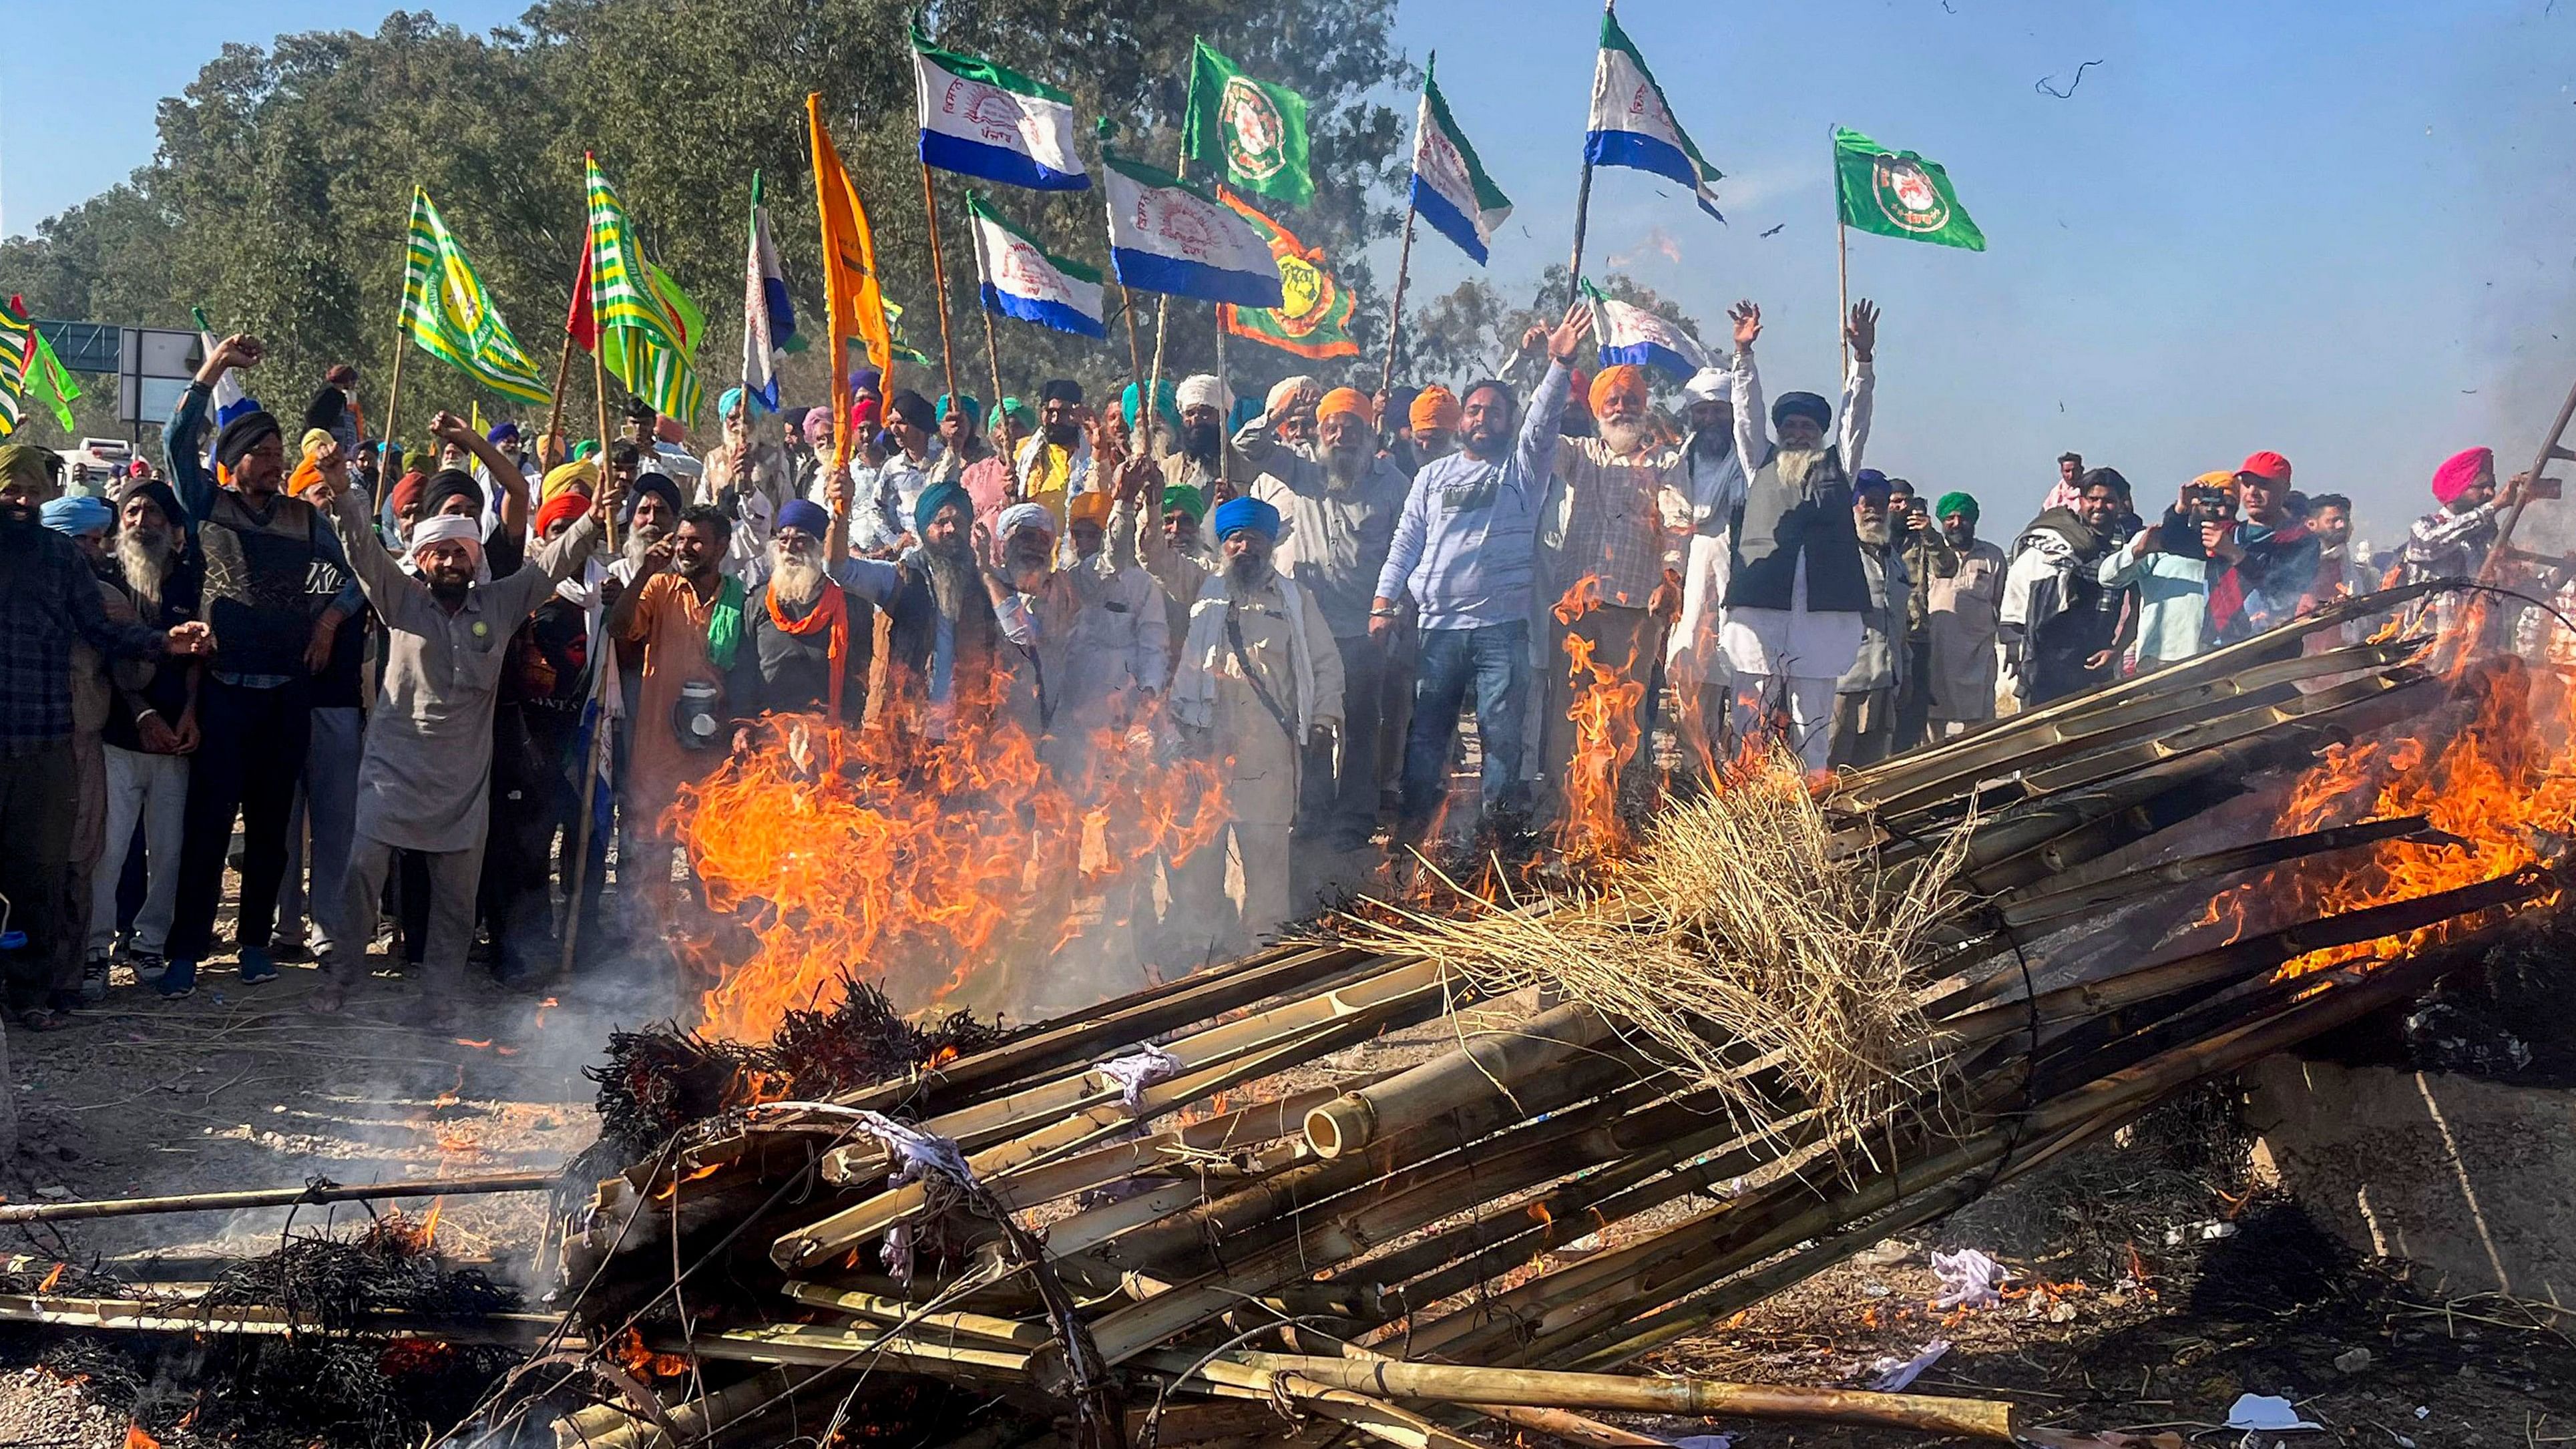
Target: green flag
(1897,193)
(14,332)
(47,375)
(1252,132)
(448,312)
(660,364)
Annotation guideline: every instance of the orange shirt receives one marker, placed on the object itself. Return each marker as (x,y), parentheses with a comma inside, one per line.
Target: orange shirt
(670,621)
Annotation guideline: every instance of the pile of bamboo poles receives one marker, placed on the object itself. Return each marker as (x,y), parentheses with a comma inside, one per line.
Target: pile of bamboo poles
(1244,1221)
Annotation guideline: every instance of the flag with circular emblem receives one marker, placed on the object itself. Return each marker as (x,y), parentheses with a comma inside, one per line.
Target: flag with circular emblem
(1313,318)
(1897,193)
(447,311)
(1252,132)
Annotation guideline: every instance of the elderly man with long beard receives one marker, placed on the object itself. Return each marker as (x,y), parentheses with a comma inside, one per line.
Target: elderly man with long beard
(151,731)
(1693,658)
(1259,687)
(805,642)
(1610,542)
(1865,697)
(1796,588)
(1119,656)
(1200,455)
(429,745)
(1339,508)
(951,633)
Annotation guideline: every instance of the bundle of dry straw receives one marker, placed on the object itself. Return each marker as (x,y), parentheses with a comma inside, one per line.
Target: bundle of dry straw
(1734,947)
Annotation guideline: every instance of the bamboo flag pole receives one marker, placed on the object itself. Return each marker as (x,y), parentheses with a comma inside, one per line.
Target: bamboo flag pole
(1395,308)
(1842,277)
(993,363)
(1582,210)
(393,399)
(939,280)
(604,660)
(1135,357)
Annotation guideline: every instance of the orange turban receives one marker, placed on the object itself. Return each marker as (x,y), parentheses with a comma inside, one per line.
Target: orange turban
(1091,507)
(1344,400)
(1435,408)
(1626,380)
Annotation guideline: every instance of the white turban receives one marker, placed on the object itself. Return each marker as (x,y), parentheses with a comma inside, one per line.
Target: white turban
(1025,515)
(448,528)
(1709,384)
(1203,390)
(1288,389)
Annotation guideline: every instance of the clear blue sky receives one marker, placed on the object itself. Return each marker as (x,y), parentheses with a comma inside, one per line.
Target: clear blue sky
(2340,231)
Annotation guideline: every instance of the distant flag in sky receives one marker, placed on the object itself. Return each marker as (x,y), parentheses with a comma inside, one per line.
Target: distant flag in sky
(1253,133)
(1171,238)
(1633,126)
(1450,188)
(1313,318)
(1634,335)
(982,119)
(1897,193)
(447,310)
(768,316)
(1022,280)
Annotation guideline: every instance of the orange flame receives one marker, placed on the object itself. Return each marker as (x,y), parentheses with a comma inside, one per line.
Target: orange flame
(631,1354)
(52,1278)
(136,1438)
(914,862)
(1604,715)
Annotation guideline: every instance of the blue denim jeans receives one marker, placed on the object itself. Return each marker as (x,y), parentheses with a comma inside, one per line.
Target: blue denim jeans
(1495,661)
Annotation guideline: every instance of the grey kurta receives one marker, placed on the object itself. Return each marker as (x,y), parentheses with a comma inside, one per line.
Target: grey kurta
(425,779)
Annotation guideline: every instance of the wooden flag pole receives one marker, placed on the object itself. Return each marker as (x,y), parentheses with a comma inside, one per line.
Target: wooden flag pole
(603,660)
(1135,356)
(939,280)
(1842,286)
(1395,308)
(993,362)
(393,399)
(1582,211)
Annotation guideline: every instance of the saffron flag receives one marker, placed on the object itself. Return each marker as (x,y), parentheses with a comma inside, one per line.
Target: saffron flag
(1450,188)
(1168,237)
(1633,334)
(1022,280)
(1313,318)
(448,312)
(768,315)
(982,119)
(1252,132)
(854,306)
(1897,193)
(1633,126)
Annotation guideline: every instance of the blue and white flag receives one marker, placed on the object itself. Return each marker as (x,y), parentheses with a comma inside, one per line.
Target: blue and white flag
(1632,126)
(1450,188)
(1168,237)
(1021,280)
(1649,339)
(768,316)
(982,119)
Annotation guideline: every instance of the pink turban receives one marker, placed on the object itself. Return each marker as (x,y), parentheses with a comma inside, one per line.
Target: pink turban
(2460,470)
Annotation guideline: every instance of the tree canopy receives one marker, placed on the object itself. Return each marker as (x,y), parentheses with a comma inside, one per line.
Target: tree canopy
(278,198)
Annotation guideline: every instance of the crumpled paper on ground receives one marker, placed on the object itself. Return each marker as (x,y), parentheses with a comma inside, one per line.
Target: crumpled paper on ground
(1895,1374)
(1968,1279)
(2262,1411)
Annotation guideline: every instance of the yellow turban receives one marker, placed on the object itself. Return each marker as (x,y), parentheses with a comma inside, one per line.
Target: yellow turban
(583,475)
(1091,507)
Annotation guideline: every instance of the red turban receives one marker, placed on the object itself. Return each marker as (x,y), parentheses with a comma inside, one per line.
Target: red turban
(407,492)
(564,507)
(2460,470)
(864,413)
(1624,379)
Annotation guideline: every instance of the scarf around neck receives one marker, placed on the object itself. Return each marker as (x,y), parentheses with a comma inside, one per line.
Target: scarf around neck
(831,612)
(724,624)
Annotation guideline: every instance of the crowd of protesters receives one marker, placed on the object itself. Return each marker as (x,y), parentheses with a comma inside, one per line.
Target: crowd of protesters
(348,692)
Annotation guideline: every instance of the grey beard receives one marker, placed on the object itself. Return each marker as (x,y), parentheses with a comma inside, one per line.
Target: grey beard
(1873,532)
(795,581)
(1796,464)
(953,579)
(1248,572)
(146,564)
(640,539)
(1712,444)
(1623,439)
(1343,471)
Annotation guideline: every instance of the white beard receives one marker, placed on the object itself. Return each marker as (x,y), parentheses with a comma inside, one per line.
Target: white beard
(795,579)
(145,567)
(1623,439)
(640,541)
(1343,471)
(1796,464)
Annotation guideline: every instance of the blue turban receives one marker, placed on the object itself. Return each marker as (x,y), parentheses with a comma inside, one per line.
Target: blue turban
(1802,405)
(936,497)
(1249,513)
(1167,401)
(974,409)
(503,431)
(77,516)
(731,399)
(806,514)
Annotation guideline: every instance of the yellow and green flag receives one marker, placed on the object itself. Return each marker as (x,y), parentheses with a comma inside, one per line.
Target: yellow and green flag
(665,375)
(28,364)
(647,328)
(448,312)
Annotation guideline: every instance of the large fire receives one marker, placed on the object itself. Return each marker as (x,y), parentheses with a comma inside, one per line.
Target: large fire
(1604,715)
(918,864)
(2502,783)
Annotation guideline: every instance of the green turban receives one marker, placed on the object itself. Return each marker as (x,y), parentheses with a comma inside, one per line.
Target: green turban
(1190,500)
(1955,503)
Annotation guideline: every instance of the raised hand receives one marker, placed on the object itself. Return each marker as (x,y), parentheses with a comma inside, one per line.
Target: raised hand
(1566,342)
(1862,329)
(1748,323)
(239,350)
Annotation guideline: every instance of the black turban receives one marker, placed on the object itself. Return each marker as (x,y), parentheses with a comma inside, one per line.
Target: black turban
(449,483)
(1060,389)
(1802,405)
(159,492)
(656,483)
(913,408)
(243,434)
(325,411)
